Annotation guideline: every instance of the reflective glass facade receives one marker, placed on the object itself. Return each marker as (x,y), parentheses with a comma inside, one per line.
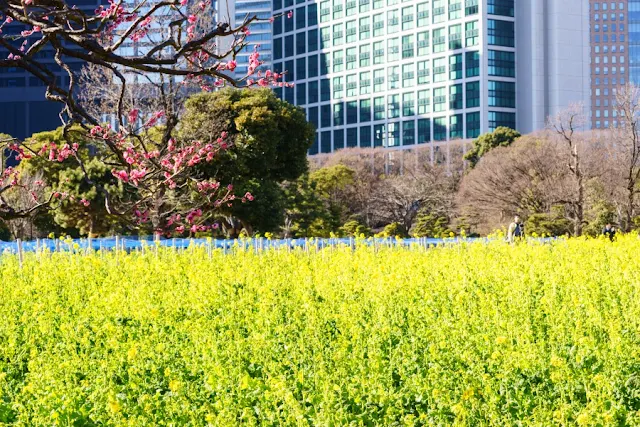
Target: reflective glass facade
(398,73)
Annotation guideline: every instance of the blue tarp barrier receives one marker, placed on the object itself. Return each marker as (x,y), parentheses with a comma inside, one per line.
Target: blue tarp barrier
(132,243)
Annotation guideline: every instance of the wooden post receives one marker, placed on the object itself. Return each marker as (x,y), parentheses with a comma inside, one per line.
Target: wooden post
(117,249)
(20,259)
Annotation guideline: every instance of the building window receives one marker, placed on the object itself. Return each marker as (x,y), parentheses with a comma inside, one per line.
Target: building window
(394,134)
(456,97)
(313,92)
(497,119)
(301,18)
(277,49)
(455,67)
(378,135)
(325,11)
(312,14)
(378,25)
(365,110)
(408,104)
(325,116)
(455,9)
(472,64)
(471,7)
(338,88)
(439,99)
(301,68)
(352,137)
(424,131)
(378,53)
(423,72)
(439,11)
(393,22)
(440,129)
(351,31)
(456,126)
(393,76)
(365,55)
(394,106)
(378,108)
(502,94)
(352,112)
(423,14)
(455,37)
(423,43)
(408,132)
(288,46)
(408,79)
(312,43)
(473,125)
(500,7)
(325,141)
(393,49)
(312,68)
(325,37)
(338,35)
(365,28)
(364,6)
(338,114)
(301,93)
(502,63)
(439,40)
(352,85)
(439,70)
(378,80)
(325,90)
(338,139)
(471,33)
(365,83)
(365,136)
(473,94)
(407,18)
(352,58)
(424,102)
(407,47)
(338,11)
(501,33)
(338,61)
(351,7)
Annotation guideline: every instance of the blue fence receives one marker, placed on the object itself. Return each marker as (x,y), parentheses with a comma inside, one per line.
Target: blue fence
(134,243)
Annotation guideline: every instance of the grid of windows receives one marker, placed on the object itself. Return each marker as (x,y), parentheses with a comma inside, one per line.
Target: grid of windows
(393,72)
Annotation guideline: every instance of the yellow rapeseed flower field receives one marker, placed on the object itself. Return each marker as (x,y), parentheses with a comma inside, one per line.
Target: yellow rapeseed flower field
(469,335)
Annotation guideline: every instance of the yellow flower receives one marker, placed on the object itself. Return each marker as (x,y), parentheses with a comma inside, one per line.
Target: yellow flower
(501,340)
(114,405)
(174,385)
(583,419)
(556,362)
(132,353)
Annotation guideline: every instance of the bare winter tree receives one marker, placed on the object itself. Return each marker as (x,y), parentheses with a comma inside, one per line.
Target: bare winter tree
(567,125)
(513,180)
(627,142)
(400,196)
(177,45)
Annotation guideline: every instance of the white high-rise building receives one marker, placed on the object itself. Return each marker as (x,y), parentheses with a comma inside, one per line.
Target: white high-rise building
(392,73)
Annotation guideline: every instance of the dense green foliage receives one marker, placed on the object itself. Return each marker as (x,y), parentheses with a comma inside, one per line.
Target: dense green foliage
(270,139)
(501,137)
(473,335)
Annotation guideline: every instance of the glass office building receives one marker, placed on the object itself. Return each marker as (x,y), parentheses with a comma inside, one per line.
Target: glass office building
(393,73)
(615,36)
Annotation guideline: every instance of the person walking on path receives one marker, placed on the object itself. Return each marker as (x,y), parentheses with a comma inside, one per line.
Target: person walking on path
(515,231)
(609,231)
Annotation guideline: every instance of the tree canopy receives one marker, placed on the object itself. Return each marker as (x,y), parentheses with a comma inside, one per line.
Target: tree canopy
(501,137)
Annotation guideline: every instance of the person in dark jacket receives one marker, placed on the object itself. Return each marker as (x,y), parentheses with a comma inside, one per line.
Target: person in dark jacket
(609,231)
